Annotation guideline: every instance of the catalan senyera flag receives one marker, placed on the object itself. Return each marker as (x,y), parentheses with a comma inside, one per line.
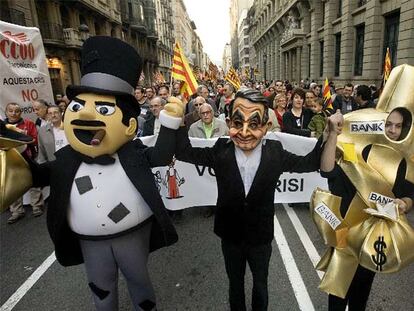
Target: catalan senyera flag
(327,99)
(213,71)
(387,68)
(159,77)
(233,78)
(182,71)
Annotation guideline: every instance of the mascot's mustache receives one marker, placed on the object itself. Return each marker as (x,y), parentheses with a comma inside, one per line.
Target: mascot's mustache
(87,122)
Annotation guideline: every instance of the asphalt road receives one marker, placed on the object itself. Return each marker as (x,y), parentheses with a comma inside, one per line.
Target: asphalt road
(187,276)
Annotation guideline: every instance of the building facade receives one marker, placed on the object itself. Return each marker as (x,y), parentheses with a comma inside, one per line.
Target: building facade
(65,25)
(227,61)
(343,40)
(165,29)
(183,27)
(235,12)
(244,44)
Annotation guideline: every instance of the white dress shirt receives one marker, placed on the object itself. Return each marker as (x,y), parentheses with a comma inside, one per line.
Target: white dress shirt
(248,165)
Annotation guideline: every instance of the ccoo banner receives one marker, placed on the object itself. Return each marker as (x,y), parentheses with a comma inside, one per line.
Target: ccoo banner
(183,185)
(24,76)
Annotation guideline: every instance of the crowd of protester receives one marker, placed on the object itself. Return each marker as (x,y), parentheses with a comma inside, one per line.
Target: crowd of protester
(297,109)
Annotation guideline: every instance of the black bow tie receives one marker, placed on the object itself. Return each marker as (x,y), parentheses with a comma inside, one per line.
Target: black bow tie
(102,159)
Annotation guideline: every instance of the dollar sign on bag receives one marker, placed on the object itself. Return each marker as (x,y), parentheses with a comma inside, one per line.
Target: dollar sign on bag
(380,258)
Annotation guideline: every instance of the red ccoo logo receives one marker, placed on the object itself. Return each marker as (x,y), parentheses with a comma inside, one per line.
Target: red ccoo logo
(16,46)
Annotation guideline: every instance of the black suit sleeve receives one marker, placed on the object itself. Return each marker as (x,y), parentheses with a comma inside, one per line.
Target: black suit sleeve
(301,164)
(200,156)
(162,152)
(40,172)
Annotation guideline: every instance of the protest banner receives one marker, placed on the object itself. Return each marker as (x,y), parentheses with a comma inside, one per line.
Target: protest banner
(24,76)
(183,185)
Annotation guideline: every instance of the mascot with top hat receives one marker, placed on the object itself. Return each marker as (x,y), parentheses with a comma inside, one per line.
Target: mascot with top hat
(104,208)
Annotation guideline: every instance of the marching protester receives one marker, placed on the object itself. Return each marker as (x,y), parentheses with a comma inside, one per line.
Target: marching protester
(51,137)
(152,125)
(193,116)
(208,126)
(247,169)
(143,102)
(279,107)
(363,97)
(318,121)
(345,101)
(228,95)
(27,127)
(296,120)
(40,109)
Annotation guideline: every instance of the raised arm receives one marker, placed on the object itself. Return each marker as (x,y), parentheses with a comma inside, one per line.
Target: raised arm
(333,129)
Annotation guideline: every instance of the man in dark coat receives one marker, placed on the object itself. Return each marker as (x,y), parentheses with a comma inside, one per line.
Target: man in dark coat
(247,169)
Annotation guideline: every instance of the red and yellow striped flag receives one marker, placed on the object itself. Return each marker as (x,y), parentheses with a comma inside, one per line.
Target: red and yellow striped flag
(387,68)
(182,71)
(233,78)
(327,99)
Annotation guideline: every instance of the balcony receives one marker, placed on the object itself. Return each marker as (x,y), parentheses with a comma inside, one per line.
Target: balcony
(51,32)
(127,17)
(72,37)
(137,25)
(152,34)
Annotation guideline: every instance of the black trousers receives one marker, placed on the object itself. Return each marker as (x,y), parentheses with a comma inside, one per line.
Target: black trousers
(235,258)
(358,292)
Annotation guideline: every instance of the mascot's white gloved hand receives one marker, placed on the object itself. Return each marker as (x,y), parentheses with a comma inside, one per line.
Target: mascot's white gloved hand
(172,114)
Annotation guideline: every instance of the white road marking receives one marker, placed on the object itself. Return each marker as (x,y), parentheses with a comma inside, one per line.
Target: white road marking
(27,285)
(299,288)
(304,238)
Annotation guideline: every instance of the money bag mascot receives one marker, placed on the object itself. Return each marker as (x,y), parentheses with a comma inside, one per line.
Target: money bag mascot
(104,208)
(363,219)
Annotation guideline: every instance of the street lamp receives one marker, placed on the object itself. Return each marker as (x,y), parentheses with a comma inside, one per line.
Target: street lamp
(264,63)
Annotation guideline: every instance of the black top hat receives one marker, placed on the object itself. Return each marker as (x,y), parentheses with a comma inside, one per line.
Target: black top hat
(10,138)
(109,66)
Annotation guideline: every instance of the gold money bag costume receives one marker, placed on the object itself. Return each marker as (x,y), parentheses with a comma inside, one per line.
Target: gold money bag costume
(376,242)
(15,177)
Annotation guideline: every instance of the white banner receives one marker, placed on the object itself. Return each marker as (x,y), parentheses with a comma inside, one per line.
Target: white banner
(184,185)
(24,76)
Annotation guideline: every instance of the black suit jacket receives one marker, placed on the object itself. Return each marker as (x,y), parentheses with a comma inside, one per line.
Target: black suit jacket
(137,160)
(149,126)
(240,218)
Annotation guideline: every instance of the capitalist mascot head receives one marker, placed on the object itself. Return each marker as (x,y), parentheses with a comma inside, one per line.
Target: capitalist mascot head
(102,113)
(101,116)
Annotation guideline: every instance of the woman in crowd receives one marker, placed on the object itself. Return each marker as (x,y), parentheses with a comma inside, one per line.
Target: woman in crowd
(296,120)
(279,107)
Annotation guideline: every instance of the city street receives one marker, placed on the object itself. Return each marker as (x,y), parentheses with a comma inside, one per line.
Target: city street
(187,276)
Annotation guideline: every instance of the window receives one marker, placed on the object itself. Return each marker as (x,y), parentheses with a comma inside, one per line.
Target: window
(339,14)
(309,59)
(337,53)
(323,13)
(321,60)
(362,2)
(392,23)
(359,49)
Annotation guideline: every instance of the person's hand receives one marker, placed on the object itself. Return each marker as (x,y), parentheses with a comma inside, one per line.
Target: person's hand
(335,122)
(16,129)
(403,208)
(174,107)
